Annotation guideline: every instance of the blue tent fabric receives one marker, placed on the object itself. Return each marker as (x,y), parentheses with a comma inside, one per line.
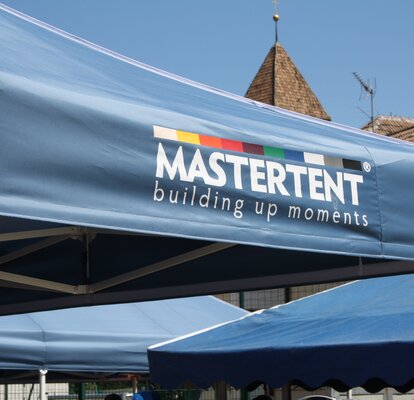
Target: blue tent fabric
(110,338)
(106,149)
(121,182)
(359,334)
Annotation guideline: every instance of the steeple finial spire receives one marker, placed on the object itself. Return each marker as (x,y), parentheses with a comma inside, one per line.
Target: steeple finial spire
(276,19)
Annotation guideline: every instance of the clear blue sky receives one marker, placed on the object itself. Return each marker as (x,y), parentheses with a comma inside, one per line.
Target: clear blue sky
(222,43)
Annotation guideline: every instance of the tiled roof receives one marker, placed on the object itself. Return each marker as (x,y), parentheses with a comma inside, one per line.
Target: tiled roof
(279,79)
(397,127)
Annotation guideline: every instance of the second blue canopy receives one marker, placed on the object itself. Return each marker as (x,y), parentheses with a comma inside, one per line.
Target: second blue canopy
(360,334)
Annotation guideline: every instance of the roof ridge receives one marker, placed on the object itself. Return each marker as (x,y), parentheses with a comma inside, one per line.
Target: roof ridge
(394,126)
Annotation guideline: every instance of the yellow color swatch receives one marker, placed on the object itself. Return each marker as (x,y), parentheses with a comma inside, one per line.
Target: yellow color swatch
(188,137)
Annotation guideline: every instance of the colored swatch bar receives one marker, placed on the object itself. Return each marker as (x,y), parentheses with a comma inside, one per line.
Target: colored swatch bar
(249,148)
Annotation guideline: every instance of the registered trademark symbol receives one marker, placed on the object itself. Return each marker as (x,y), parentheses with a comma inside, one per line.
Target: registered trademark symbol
(367,166)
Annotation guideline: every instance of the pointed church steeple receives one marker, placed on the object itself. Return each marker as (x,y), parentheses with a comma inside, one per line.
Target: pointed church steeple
(279,82)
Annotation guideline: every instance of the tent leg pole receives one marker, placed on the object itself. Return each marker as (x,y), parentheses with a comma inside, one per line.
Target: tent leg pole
(42,384)
(220,391)
(134,381)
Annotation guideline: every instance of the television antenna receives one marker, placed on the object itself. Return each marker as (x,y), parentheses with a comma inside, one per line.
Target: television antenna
(366,86)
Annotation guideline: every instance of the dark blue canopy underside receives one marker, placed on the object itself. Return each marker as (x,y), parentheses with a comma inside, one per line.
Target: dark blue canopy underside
(110,167)
(359,334)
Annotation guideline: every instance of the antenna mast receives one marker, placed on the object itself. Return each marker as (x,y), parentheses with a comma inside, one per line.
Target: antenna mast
(365,85)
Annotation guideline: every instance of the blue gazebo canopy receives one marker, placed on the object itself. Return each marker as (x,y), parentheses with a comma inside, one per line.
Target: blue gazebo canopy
(101,339)
(359,334)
